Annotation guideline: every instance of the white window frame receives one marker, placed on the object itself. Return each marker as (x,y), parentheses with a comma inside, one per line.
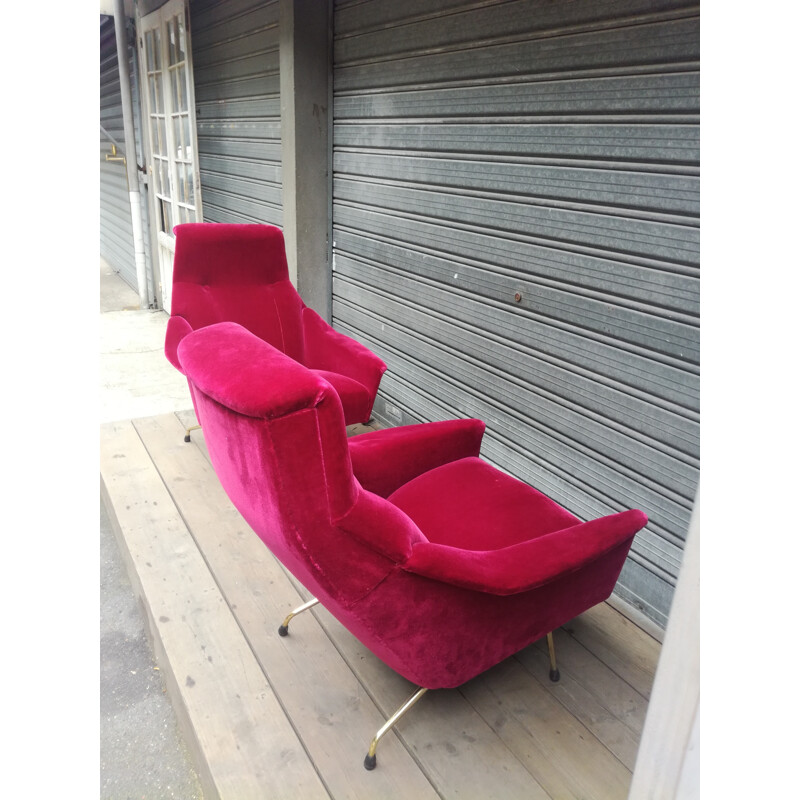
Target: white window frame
(163,240)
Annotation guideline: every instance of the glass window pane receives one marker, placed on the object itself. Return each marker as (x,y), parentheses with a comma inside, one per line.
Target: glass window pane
(153,96)
(154,135)
(166,216)
(156,97)
(157,49)
(173,80)
(166,186)
(184,99)
(148,49)
(156,177)
(171,37)
(181,40)
(157,187)
(187,135)
(177,187)
(182,183)
(190,184)
(162,135)
(180,99)
(176,137)
(160,92)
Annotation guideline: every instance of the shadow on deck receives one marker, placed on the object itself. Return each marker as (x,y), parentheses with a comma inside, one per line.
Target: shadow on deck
(273,717)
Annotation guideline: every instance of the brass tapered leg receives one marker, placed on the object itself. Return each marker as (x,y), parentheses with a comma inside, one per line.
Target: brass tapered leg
(284,629)
(188,437)
(555,675)
(370,760)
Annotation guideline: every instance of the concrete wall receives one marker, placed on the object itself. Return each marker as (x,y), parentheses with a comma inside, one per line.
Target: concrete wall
(305,123)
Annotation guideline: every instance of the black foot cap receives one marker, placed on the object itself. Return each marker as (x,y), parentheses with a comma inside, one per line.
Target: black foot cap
(370,762)
(187,438)
(283,630)
(555,675)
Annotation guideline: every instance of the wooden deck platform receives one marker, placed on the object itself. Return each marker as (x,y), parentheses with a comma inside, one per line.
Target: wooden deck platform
(273,717)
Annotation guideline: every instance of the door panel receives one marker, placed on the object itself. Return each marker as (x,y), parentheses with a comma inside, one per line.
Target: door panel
(175,192)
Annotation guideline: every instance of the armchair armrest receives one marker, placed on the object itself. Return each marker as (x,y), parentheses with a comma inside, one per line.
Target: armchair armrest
(382,527)
(386,459)
(329,350)
(526,565)
(177,328)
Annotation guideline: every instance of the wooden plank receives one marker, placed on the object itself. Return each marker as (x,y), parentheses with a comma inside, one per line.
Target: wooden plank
(566,758)
(601,681)
(618,643)
(637,617)
(454,745)
(246,745)
(593,694)
(596,678)
(333,716)
(187,418)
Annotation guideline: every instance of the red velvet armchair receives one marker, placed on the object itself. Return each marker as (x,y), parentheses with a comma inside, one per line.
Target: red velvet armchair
(440,564)
(238,273)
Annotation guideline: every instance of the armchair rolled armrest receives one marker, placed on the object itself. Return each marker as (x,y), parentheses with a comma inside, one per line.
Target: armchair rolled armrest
(386,459)
(177,328)
(381,526)
(526,565)
(329,350)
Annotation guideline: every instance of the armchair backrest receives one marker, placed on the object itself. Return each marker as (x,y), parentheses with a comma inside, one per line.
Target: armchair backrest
(276,437)
(237,273)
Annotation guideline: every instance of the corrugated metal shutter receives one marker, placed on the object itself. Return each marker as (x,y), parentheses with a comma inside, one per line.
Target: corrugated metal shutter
(516,233)
(236,59)
(116,229)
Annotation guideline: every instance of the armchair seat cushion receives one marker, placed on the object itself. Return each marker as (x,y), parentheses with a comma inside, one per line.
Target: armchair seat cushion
(470,505)
(355,397)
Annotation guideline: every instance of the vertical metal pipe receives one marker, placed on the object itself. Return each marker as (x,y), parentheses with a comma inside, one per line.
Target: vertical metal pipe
(130,150)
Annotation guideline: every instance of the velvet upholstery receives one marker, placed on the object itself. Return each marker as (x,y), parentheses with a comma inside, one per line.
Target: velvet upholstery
(239,273)
(437,562)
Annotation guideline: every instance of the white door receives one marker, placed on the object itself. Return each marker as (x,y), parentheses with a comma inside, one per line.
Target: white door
(169,88)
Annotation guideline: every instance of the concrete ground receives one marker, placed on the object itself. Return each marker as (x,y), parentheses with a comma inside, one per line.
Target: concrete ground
(142,752)
(136,378)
